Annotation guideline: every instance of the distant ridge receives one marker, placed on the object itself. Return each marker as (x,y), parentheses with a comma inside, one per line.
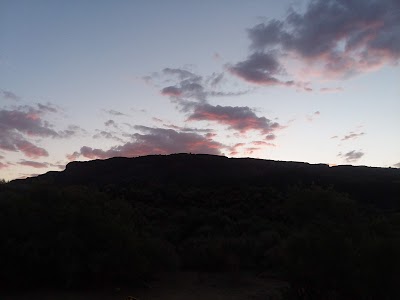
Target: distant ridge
(368,184)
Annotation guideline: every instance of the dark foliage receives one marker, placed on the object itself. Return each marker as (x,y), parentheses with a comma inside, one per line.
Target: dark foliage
(332,233)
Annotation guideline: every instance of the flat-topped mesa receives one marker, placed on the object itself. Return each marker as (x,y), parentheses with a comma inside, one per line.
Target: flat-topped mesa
(199,170)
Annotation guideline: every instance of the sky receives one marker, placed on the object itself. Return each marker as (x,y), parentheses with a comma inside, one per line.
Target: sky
(313,81)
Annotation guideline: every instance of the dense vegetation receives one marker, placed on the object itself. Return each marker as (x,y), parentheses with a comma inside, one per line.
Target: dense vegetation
(319,231)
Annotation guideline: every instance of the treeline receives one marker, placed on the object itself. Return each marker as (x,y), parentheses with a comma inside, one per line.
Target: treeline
(326,245)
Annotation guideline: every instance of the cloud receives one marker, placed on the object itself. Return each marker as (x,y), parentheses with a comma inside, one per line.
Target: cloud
(260,68)
(33,164)
(9,95)
(29,149)
(157,120)
(352,136)
(26,121)
(262,143)
(154,141)
(188,129)
(43,108)
(110,123)
(114,112)
(215,79)
(3,166)
(251,150)
(240,118)
(182,74)
(171,91)
(191,88)
(191,95)
(343,38)
(397,165)
(22,123)
(107,135)
(312,117)
(72,130)
(234,149)
(330,90)
(352,156)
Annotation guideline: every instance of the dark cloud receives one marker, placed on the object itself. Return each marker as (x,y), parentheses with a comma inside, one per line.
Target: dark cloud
(397,165)
(240,118)
(344,37)
(33,164)
(110,123)
(9,95)
(172,91)
(260,68)
(191,87)
(352,156)
(270,137)
(154,141)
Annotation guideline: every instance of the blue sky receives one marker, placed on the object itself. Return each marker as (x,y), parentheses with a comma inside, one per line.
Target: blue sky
(290,80)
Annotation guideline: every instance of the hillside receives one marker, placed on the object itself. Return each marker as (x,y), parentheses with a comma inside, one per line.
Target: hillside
(367,184)
(328,232)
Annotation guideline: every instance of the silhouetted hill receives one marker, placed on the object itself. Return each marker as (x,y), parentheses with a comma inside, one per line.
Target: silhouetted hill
(325,230)
(380,186)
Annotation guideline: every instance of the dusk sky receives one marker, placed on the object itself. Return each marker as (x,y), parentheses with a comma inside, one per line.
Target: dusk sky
(313,81)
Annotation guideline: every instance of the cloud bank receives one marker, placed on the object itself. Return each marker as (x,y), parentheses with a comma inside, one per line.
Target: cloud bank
(342,38)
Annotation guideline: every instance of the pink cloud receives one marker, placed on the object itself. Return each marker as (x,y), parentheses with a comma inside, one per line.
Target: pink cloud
(154,141)
(262,143)
(33,164)
(20,124)
(30,150)
(240,118)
